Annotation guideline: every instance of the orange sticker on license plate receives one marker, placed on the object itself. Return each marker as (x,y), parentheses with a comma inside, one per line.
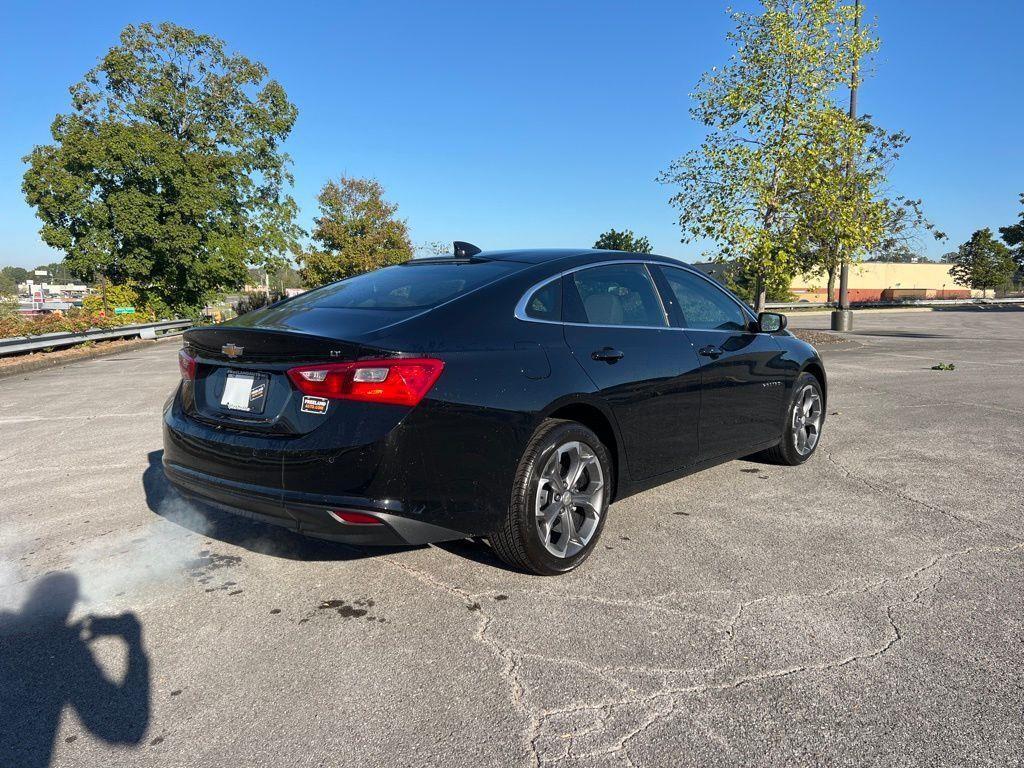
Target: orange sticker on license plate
(314,404)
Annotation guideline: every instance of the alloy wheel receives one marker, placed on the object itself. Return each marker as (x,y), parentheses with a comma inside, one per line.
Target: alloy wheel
(807,416)
(570,499)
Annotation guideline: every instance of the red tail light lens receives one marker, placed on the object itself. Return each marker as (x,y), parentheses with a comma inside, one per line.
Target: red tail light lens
(187,365)
(400,381)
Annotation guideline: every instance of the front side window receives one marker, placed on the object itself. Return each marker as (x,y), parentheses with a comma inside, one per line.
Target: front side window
(704,305)
(617,294)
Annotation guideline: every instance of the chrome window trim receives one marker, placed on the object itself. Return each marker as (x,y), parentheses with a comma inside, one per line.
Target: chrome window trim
(520,310)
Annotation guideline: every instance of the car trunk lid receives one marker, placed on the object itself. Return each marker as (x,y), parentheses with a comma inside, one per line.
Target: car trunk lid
(241,380)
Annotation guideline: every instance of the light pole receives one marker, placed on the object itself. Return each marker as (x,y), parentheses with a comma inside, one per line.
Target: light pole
(842,318)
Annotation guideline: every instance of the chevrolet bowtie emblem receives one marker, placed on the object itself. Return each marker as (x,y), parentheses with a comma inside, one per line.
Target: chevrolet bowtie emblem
(231,350)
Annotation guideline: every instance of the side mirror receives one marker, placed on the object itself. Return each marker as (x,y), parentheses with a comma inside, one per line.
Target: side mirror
(770,322)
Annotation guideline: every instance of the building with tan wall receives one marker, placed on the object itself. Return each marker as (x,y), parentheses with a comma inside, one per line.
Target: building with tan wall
(876,281)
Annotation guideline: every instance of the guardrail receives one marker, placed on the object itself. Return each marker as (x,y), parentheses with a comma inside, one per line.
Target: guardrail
(17,344)
(907,303)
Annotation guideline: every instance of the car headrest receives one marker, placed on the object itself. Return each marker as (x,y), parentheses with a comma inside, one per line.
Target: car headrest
(604,309)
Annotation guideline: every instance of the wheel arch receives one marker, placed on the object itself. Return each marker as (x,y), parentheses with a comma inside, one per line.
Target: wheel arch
(817,370)
(600,422)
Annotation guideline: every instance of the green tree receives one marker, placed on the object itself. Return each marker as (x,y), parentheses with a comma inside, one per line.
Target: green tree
(737,278)
(897,254)
(767,111)
(357,231)
(17,274)
(1013,236)
(57,272)
(168,171)
(9,279)
(623,241)
(983,262)
(852,213)
(109,298)
(277,279)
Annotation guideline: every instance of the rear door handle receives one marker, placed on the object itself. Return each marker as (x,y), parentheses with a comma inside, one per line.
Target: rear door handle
(710,351)
(608,355)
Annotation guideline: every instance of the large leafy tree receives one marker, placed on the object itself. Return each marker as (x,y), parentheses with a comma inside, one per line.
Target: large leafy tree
(168,172)
(357,231)
(766,110)
(613,240)
(983,262)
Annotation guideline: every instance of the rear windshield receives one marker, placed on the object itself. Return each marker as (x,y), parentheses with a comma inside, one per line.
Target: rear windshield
(406,286)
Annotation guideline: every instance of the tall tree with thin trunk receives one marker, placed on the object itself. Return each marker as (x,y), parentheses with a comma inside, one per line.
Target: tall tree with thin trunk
(852,212)
(743,188)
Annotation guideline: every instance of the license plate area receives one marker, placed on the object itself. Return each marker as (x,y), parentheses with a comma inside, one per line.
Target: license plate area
(245,392)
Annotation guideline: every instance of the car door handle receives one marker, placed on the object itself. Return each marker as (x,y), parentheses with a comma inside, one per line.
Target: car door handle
(710,351)
(608,355)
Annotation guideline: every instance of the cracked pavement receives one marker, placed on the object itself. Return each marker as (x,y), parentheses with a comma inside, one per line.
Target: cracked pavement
(864,609)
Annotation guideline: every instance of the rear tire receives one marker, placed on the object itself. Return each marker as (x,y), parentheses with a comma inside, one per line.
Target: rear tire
(805,416)
(559,500)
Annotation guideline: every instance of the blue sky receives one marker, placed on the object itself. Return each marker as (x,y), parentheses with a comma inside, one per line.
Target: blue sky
(537,123)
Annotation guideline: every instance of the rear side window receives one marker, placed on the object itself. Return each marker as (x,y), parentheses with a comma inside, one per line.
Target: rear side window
(704,305)
(616,294)
(405,286)
(546,302)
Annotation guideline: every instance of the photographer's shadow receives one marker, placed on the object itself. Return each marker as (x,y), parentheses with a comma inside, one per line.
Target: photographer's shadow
(46,664)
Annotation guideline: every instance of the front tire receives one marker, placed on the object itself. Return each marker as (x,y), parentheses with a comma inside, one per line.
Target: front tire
(805,417)
(559,500)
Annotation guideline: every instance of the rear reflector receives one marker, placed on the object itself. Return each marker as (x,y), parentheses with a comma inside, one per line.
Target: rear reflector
(354,518)
(187,365)
(398,381)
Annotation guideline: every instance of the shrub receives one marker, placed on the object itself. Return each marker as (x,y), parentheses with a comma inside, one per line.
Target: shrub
(74,321)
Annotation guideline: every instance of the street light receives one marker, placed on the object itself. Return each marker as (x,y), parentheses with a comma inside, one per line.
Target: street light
(842,318)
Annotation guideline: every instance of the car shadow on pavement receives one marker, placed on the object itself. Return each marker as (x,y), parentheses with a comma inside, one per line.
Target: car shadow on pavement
(256,536)
(46,663)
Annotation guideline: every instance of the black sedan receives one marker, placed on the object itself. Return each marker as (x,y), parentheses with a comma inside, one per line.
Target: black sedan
(506,394)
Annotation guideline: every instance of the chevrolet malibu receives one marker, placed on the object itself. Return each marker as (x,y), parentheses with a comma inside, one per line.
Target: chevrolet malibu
(512,395)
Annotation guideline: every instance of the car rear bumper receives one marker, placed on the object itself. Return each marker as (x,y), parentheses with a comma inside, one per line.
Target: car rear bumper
(307,514)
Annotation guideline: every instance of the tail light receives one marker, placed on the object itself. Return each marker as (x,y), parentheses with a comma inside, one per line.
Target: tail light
(399,381)
(187,365)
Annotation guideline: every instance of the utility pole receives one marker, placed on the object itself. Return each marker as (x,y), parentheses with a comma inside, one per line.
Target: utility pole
(842,319)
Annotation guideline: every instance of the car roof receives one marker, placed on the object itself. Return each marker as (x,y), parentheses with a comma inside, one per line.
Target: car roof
(530,255)
(550,255)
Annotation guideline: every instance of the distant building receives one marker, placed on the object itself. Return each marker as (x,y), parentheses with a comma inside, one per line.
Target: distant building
(45,291)
(880,281)
(877,281)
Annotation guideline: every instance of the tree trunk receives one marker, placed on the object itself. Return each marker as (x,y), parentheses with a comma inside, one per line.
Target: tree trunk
(830,291)
(759,294)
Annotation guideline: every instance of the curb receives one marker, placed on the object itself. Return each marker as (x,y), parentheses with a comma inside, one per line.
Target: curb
(39,361)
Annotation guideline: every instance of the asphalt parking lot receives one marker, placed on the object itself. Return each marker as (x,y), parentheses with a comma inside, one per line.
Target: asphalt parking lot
(864,609)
